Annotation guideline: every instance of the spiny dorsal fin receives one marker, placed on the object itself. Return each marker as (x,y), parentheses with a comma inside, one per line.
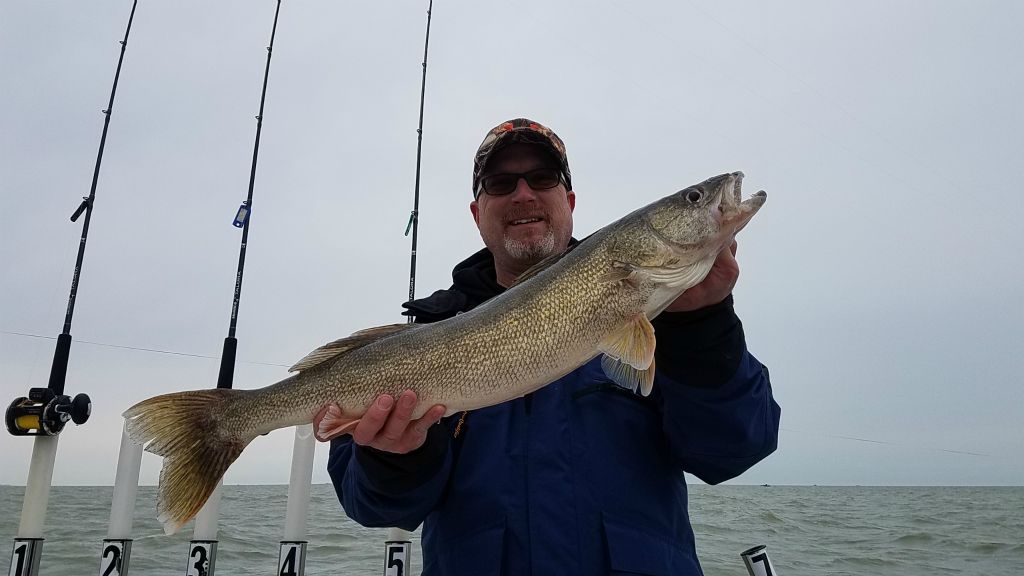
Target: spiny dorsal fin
(358,339)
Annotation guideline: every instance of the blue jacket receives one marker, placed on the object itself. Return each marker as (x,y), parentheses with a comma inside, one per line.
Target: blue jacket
(581,477)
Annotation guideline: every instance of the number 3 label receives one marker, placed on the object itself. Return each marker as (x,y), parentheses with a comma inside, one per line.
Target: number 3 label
(200,559)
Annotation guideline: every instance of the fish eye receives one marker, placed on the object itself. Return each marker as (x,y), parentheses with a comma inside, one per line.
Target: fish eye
(694,195)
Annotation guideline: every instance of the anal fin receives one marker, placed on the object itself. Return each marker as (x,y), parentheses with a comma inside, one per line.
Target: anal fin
(331,422)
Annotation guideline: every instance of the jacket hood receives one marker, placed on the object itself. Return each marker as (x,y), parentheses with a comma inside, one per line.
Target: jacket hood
(474,281)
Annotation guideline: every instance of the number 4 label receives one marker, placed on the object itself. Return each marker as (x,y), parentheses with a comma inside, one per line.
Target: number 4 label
(292,559)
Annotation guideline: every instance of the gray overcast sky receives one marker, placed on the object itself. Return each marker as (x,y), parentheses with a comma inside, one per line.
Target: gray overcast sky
(882,282)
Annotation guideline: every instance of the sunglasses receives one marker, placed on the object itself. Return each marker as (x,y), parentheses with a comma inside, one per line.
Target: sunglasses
(502,184)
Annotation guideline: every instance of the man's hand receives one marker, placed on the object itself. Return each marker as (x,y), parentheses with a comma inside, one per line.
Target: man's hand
(714,288)
(388,425)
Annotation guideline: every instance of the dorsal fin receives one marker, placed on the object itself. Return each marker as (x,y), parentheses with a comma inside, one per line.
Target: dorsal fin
(358,339)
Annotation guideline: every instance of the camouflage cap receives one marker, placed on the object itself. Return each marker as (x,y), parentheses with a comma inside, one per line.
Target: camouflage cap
(519,130)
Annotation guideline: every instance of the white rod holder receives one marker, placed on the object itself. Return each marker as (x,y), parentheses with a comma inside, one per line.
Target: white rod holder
(291,560)
(299,484)
(202,549)
(206,519)
(126,487)
(37,487)
(28,546)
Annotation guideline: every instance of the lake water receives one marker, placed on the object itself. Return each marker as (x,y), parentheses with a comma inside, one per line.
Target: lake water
(809,530)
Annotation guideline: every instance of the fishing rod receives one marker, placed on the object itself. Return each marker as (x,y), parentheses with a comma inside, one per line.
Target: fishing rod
(202,551)
(227,362)
(414,217)
(398,546)
(45,411)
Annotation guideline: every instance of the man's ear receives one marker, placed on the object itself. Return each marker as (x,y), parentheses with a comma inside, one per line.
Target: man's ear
(474,208)
(571,197)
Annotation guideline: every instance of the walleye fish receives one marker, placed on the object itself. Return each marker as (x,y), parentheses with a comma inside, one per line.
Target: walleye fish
(596,298)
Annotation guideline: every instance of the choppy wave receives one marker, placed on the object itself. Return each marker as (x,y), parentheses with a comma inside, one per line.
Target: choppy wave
(808,530)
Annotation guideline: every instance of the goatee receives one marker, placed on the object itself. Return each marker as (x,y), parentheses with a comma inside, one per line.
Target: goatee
(531,252)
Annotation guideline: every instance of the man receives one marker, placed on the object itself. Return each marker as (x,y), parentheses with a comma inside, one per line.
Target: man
(582,476)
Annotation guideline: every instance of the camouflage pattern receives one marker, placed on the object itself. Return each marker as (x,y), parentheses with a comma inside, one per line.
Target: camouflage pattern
(519,130)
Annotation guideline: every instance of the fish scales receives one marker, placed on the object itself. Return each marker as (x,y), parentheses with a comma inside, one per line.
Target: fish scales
(543,334)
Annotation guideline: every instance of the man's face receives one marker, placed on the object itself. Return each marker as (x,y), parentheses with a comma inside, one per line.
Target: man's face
(525,226)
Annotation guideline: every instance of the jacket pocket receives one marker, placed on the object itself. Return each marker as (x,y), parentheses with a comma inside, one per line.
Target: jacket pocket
(632,551)
(479,553)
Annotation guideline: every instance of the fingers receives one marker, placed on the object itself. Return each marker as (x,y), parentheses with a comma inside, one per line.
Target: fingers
(398,421)
(388,425)
(373,420)
(418,429)
(730,269)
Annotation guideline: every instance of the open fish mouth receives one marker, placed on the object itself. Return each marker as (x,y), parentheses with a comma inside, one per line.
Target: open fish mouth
(737,187)
(729,208)
(730,190)
(736,209)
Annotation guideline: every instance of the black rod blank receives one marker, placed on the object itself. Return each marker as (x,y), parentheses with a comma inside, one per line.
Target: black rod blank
(414,219)
(58,371)
(227,360)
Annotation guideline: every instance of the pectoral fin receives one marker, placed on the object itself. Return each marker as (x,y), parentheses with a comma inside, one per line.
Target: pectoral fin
(620,272)
(632,344)
(330,422)
(628,377)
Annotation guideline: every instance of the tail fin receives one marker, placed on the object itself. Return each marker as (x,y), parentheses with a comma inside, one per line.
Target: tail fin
(194,434)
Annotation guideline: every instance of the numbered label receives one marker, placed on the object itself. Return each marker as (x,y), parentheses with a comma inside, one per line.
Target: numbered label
(201,558)
(25,557)
(761,565)
(112,558)
(292,560)
(396,558)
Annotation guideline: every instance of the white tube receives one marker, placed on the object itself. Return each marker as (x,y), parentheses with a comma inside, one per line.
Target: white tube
(37,487)
(126,485)
(206,520)
(398,535)
(299,484)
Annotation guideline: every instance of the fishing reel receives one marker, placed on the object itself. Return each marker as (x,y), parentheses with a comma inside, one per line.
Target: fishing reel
(44,412)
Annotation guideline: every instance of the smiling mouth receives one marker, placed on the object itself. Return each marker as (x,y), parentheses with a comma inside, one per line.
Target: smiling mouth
(521,221)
